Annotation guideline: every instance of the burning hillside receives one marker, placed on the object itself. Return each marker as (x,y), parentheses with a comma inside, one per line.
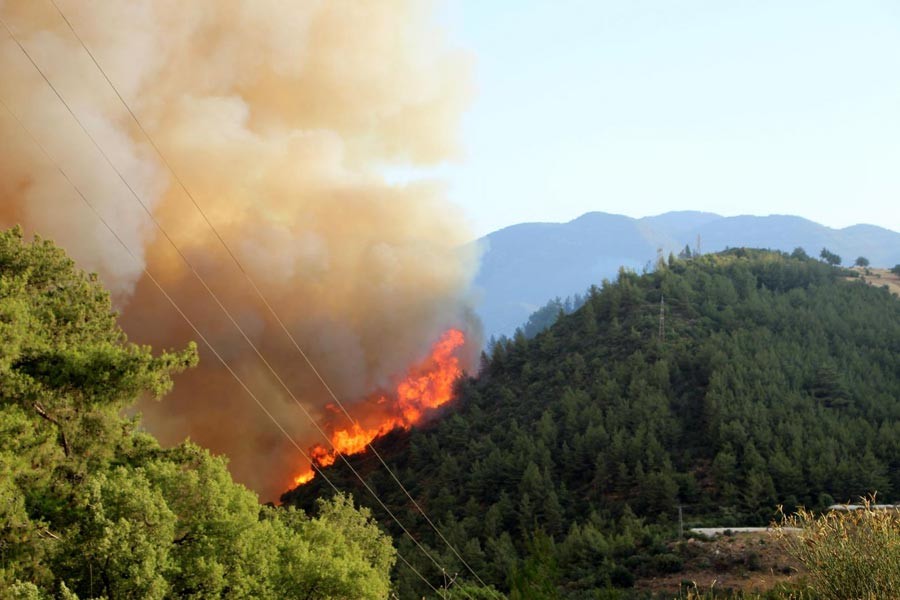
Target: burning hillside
(279,119)
(426,386)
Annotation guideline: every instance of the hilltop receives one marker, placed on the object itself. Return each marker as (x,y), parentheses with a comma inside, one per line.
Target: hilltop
(524,265)
(566,459)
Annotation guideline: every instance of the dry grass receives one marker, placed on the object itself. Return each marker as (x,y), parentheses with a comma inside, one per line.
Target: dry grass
(880,277)
(711,594)
(849,555)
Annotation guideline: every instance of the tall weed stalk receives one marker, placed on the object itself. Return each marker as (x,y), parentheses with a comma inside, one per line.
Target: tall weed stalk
(849,555)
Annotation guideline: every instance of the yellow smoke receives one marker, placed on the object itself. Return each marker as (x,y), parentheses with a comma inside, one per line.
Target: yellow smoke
(279,117)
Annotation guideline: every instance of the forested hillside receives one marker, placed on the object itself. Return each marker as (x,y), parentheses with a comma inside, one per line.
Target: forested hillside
(772,380)
(92,507)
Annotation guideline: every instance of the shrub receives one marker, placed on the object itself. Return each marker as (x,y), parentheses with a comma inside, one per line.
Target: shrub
(621,577)
(849,554)
(666,563)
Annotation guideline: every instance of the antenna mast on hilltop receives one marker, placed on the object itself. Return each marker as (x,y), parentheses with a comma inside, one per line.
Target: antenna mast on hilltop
(662,318)
(697,252)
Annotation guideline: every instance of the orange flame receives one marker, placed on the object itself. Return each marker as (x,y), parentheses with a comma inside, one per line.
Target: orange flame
(304,477)
(426,387)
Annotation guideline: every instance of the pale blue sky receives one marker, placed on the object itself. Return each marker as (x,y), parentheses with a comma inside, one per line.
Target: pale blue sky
(640,107)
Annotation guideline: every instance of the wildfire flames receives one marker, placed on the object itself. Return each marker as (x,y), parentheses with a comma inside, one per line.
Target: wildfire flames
(425,387)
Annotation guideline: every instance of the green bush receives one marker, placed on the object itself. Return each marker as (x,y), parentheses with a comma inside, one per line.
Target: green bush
(667,563)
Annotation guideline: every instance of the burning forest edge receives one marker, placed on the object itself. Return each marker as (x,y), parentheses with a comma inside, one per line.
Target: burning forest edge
(426,386)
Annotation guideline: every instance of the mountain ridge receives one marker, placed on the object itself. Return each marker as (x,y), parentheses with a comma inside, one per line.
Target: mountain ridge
(708,216)
(526,264)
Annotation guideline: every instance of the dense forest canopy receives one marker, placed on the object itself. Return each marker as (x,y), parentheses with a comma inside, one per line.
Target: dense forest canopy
(92,507)
(721,385)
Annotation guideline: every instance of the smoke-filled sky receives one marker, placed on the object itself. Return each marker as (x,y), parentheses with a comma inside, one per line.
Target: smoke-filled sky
(645,106)
(278,117)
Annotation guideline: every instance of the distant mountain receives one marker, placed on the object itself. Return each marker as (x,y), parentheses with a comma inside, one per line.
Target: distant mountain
(525,265)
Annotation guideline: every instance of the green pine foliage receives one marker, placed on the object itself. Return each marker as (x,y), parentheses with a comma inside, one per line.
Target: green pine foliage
(92,507)
(561,469)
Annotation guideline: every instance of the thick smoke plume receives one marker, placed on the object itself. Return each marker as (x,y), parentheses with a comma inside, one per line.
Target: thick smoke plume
(279,117)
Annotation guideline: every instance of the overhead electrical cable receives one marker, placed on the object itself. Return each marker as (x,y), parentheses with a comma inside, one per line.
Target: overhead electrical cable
(255,287)
(213,295)
(182,314)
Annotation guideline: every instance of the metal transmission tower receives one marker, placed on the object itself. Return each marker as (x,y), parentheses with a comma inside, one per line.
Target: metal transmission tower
(662,318)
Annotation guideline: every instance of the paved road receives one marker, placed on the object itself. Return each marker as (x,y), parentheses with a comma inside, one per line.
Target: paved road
(716,531)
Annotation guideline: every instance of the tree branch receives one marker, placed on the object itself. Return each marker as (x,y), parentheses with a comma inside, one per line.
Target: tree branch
(62,434)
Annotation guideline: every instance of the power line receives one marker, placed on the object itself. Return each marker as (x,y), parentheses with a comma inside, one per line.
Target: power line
(662,318)
(184,316)
(214,296)
(208,289)
(253,284)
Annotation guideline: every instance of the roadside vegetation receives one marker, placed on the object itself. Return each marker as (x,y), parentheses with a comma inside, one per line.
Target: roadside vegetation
(849,554)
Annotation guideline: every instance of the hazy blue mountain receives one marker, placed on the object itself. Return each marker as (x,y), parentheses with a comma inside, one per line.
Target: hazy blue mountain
(679,223)
(525,265)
